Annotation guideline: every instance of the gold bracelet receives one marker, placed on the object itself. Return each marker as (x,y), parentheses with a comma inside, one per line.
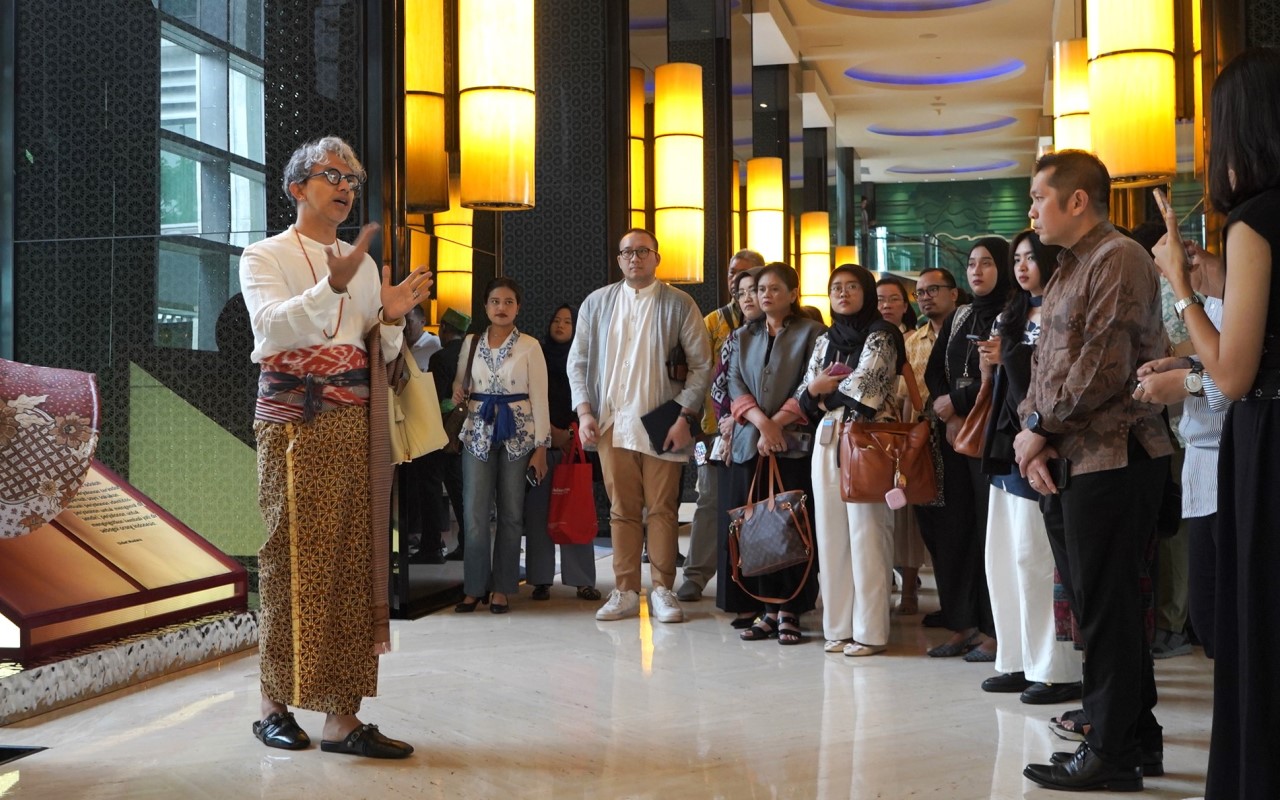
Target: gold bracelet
(383,320)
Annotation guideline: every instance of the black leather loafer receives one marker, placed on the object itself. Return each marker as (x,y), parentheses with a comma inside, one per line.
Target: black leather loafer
(933,620)
(1152,762)
(368,742)
(1044,694)
(281,730)
(1006,682)
(1085,772)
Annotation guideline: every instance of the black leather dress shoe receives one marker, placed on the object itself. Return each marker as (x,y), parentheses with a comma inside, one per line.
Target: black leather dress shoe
(1006,682)
(1043,694)
(281,730)
(1152,761)
(368,742)
(1085,772)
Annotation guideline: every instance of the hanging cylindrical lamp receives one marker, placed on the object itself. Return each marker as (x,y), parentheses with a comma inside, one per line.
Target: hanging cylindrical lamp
(1131,89)
(419,248)
(737,206)
(425,165)
(678,158)
(453,254)
(1197,82)
(815,260)
(847,254)
(496,103)
(766,219)
(1071,95)
(639,213)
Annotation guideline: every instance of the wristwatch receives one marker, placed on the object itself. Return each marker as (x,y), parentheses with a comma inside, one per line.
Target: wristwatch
(1033,424)
(1194,382)
(1182,305)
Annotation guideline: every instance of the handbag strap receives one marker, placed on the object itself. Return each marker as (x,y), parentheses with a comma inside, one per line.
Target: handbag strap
(471,359)
(576,454)
(913,389)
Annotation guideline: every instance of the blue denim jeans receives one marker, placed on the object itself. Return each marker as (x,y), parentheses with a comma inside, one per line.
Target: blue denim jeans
(492,562)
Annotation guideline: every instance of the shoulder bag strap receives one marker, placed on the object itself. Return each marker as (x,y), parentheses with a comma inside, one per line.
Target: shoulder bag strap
(913,389)
(471,359)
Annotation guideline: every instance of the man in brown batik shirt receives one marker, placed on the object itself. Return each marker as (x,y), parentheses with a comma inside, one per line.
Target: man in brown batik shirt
(1101,320)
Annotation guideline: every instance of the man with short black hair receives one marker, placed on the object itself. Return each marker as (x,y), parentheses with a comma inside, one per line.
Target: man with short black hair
(1101,321)
(620,369)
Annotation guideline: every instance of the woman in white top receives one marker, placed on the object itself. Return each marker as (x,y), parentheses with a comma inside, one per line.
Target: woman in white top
(504,442)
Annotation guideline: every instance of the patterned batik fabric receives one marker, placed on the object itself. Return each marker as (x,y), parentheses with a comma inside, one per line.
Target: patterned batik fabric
(48,433)
(315,624)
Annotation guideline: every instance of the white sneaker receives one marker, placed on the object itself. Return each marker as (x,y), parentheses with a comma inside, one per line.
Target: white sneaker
(665,606)
(619,605)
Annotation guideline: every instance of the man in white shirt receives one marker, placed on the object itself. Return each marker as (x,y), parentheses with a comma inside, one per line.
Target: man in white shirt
(620,369)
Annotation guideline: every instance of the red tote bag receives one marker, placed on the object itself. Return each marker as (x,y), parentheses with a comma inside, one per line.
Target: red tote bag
(572,516)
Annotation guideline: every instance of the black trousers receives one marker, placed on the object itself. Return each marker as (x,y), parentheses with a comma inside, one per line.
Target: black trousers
(1203,558)
(422,503)
(1099,527)
(956,535)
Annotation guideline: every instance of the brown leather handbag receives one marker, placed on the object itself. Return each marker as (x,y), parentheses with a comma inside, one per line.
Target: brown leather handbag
(973,429)
(877,457)
(771,534)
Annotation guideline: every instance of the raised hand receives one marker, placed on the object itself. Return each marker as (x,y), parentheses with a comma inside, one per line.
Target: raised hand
(344,266)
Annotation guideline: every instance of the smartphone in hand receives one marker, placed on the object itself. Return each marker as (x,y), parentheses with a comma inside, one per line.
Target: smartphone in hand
(839,369)
(1162,202)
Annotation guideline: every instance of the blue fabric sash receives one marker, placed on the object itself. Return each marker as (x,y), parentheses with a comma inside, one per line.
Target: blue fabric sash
(495,410)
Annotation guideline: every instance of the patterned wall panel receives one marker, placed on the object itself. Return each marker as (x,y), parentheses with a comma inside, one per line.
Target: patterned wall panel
(558,250)
(1262,27)
(86,192)
(314,86)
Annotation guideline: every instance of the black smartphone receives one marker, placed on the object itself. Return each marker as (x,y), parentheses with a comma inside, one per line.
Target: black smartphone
(1060,471)
(531,476)
(973,337)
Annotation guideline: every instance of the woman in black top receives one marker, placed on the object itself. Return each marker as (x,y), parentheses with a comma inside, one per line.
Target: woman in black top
(958,530)
(577,561)
(1244,360)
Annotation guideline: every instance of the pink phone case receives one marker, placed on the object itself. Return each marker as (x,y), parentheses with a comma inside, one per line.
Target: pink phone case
(895,498)
(839,369)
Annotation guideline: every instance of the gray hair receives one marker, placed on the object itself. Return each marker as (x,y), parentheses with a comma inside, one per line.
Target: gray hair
(309,155)
(750,256)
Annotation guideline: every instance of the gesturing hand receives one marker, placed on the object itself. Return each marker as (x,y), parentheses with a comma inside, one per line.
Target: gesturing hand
(398,299)
(344,266)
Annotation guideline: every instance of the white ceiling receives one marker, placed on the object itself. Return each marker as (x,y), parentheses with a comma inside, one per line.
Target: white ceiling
(831,37)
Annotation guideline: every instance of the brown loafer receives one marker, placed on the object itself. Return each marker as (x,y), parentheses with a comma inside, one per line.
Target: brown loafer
(281,730)
(368,742)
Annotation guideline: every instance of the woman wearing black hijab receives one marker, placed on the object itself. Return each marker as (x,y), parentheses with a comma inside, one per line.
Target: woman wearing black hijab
(852,377)
(958,530)
(577,561)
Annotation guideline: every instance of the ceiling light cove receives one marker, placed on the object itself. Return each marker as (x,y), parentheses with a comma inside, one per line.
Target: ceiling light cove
(885,75)
(900,6)
(912,169)
(953,130)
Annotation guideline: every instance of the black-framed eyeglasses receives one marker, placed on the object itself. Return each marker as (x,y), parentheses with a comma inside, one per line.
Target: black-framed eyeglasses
(930,291)
(639,252)
(334,177)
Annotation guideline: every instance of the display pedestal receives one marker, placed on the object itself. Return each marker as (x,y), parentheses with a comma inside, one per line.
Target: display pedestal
(112,564)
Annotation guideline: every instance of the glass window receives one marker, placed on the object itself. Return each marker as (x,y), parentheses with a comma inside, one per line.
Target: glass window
(213,199)
(179,97)
(179,194)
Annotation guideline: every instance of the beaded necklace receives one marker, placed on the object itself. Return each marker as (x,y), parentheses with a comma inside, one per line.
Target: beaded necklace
(337,243)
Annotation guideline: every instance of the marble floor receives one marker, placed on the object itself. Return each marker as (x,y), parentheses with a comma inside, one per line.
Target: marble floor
(545,702)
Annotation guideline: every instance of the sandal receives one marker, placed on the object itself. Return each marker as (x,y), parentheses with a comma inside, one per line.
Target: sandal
(1070,725)
(742,621)
(765,627)
(588,593)
(789,629)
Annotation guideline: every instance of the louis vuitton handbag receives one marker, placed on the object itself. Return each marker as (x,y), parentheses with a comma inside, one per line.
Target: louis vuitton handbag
(770,534)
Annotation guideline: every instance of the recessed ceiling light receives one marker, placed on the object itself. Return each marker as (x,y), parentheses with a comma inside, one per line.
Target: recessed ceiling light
(764,105)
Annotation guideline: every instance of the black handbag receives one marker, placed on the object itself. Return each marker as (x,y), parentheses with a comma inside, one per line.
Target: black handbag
(771,534)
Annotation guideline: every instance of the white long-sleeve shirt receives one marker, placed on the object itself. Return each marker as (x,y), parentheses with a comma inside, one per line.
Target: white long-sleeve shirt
(290,308)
